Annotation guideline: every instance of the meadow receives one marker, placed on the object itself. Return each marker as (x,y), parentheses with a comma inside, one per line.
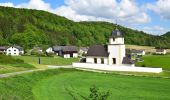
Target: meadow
(48,60)
(55,85)
(162,61)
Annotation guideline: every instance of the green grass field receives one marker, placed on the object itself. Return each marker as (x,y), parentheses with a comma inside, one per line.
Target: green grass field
(48,60)
(54,85)
(162,61)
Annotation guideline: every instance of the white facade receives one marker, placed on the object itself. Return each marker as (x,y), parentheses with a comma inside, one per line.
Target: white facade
(14,51)
(118,40)
(75,55)
(50,50)
(99,60)
(66,55)
(116,52)
(164,52)
(116,49)
(104,67)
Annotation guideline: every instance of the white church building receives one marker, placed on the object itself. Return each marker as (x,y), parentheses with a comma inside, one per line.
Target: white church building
(111,57)
(111,54)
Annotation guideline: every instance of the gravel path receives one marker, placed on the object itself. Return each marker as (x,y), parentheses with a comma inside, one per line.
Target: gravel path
(29,71)
(18,73)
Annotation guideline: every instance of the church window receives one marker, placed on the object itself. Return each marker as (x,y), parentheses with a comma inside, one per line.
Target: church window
(102,60)
(114,60)
(95,60)
(113,39)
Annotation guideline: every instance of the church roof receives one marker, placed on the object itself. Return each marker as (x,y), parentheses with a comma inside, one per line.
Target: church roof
(116,33)
(127,60)
(98,51)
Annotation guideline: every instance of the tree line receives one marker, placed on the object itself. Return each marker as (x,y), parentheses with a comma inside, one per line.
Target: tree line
(29,28)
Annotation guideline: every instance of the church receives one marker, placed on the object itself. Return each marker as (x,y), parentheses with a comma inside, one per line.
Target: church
(113,53)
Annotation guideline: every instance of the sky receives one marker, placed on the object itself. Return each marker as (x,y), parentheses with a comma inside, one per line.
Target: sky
(151,16)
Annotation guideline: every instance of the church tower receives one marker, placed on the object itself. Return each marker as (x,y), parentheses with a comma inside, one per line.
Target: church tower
(116,48)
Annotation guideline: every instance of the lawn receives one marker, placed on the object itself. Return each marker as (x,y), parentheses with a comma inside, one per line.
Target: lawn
(48,60)
(55,84)
(9,64)
(162,61)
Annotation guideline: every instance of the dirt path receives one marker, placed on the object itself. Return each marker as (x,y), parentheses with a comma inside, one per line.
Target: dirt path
(18,73)
(29,71)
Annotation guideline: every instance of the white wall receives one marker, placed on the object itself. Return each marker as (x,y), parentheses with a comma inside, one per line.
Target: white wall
(164,52)
(50,50)
(66,55)
(75,55)
(116,68)
(118,40)
(116,51)
(13,51)
(91,60)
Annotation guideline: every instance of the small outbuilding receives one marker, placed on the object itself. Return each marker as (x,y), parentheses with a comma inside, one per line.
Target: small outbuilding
(161,51)
(137,52)
(66,51)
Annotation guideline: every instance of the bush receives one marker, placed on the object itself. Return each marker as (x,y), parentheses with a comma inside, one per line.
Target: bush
(50,54)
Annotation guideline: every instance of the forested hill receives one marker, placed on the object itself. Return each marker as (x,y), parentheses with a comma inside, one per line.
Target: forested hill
(30,28)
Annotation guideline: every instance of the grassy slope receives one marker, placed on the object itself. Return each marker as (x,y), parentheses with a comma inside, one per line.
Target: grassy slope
(51,84)
(48,60)
(156,61)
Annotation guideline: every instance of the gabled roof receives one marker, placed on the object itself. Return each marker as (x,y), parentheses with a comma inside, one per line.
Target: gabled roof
(160,50)
(127,60)
(69,48)
(116,33)
(84,48)
(98,51)
(16,46)
(136,51)
(3,48)
(65,48)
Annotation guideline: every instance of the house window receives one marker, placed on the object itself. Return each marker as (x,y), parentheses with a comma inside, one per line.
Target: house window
(102,60)
(14,53)
(9,53)
(9,50)
(14,50)
(114,60)
(95,60)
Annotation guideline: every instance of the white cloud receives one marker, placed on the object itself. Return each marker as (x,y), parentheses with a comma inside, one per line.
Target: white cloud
(161,7)
(126,11)
(7,4)
(155,30)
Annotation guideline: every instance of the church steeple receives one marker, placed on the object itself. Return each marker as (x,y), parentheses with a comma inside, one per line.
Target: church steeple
(116,36)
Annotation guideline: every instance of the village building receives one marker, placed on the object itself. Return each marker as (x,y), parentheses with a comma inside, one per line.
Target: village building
(83,51)
(14,51)
(66,51)
(3,49)
(161,51)
(49,50)
(137,52)
(111,54)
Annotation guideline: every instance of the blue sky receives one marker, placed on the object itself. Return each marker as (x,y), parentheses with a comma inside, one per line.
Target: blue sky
(151,16)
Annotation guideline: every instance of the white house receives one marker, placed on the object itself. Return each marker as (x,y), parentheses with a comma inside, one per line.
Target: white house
(66,51)
(161,51)
(111,54)
(137,52)
(83,50)
(50,50)
(14,51)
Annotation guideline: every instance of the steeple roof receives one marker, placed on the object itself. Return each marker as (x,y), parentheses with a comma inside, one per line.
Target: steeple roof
(116,33)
